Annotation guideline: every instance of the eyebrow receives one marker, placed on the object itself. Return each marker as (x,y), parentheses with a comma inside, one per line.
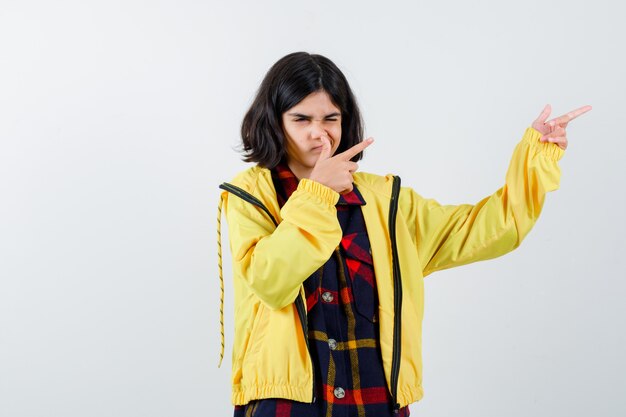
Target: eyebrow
(304,116)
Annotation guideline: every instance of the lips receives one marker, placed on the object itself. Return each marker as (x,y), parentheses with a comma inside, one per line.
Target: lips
(318,148)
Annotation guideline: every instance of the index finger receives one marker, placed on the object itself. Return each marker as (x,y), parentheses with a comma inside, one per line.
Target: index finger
(566,118)
(349,153)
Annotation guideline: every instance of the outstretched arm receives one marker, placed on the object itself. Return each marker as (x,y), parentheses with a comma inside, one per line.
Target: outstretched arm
(453,235)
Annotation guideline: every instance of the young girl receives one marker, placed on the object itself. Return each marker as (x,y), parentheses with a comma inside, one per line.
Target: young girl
(329,262)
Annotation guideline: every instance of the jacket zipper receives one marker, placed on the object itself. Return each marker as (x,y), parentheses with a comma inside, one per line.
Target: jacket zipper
(300,306)
(397,294)
(241,193)
(305,328)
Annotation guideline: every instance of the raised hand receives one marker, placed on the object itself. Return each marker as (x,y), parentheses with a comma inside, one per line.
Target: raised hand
(336,171)
(554,130)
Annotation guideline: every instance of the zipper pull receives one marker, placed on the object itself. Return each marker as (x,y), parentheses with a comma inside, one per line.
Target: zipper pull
(396,408)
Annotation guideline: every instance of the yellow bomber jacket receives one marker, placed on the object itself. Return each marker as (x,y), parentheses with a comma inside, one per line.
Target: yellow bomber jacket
(275,250)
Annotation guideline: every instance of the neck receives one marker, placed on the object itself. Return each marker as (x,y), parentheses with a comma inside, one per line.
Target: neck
(299,171)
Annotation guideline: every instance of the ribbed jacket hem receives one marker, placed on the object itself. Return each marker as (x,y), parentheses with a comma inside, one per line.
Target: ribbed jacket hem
(408,395)
(242,396)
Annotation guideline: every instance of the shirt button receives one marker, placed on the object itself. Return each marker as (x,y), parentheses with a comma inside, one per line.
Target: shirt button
(327,297)
(332,344)
(339,392)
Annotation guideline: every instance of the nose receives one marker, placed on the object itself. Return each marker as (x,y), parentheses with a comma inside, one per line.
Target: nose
(317,130)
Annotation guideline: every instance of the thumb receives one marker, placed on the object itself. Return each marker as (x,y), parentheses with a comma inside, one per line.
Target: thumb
(326,149)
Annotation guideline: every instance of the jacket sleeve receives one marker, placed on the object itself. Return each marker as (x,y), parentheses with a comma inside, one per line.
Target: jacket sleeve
(453,235)
(275,261)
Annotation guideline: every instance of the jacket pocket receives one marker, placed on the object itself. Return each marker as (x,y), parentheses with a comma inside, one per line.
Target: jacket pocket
(256,331)
(276,356)
(249,343)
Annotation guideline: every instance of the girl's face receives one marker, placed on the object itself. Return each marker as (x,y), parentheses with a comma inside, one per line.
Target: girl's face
(304,125)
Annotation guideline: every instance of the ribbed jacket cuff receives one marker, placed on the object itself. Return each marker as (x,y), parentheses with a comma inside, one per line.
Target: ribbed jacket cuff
(552,151)
(326,194)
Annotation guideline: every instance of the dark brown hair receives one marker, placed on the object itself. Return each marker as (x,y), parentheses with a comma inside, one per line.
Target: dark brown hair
(289,81)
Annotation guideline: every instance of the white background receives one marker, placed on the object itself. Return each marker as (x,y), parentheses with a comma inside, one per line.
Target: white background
(119,119)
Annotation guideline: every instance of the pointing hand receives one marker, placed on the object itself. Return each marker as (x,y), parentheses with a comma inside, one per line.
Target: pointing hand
(336,171)
(554,130)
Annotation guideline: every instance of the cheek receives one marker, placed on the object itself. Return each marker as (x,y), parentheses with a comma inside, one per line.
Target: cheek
(335,132)
(291,135)
(294,140)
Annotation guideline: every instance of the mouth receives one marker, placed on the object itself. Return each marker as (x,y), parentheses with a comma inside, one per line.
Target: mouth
(319,148)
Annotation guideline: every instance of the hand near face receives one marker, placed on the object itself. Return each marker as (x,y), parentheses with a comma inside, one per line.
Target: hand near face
(336,171)
(554,130)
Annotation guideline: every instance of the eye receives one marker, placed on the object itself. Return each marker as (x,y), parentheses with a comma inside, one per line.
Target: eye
(300,120)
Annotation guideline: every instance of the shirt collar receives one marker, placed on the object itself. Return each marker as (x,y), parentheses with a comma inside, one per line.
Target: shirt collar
(286,183)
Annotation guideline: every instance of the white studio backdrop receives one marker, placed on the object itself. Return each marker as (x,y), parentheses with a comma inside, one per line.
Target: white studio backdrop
(119,119)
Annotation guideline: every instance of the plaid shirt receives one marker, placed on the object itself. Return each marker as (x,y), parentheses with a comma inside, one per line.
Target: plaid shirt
(342,307)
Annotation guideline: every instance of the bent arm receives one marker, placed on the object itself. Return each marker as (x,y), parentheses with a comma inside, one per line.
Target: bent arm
(453,235)
(275,261)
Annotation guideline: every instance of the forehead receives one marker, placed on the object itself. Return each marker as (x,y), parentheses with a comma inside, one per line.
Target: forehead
(316,103)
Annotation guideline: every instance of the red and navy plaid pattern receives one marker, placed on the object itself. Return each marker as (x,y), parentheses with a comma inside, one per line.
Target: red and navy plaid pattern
(342,307)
